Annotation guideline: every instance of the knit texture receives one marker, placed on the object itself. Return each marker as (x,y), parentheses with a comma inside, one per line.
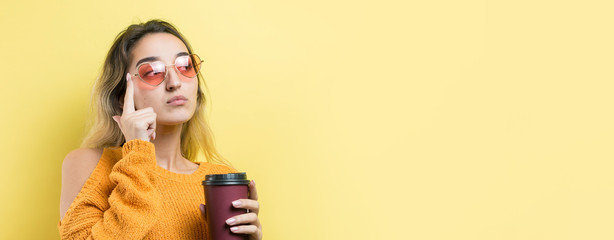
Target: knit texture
(128,196)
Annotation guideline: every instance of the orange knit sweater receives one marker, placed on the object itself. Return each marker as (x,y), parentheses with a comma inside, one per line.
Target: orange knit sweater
(128,196)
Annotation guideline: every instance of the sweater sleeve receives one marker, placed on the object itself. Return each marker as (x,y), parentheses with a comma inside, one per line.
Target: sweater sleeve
(133,203)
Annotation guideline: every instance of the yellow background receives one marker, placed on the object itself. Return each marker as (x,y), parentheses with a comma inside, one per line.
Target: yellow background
(357,119)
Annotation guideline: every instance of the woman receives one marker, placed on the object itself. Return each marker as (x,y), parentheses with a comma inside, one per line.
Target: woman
(135,178)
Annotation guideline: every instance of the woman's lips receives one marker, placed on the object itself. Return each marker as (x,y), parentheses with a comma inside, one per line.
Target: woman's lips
(177,102)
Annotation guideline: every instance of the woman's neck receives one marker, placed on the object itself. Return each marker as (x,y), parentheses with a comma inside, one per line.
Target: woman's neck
(168,149)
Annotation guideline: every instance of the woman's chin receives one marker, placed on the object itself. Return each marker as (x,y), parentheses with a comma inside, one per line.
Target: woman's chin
(172,121)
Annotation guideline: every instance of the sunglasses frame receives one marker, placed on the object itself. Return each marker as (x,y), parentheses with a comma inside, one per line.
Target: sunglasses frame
(174,67)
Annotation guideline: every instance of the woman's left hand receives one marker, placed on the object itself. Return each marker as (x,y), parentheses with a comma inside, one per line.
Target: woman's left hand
(247,223)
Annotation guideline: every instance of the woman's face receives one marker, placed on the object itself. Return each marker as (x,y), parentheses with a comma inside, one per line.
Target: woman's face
(166,48)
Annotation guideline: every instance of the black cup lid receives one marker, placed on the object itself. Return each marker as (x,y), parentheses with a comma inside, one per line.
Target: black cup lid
(226,179)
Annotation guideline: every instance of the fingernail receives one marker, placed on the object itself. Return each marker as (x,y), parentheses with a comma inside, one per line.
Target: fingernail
(230,221)
(236,203)
(234,229)
(202,207)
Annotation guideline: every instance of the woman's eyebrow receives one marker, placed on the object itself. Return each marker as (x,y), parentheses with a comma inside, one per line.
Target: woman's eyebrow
(149,59)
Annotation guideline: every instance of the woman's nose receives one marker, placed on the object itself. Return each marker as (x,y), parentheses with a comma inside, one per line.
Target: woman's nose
(173,82)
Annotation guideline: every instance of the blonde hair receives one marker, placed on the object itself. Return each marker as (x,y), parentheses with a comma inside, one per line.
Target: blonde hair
(110,87)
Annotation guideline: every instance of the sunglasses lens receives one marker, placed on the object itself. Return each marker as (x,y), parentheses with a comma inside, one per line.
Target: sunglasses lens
(197,62)
(185,65)
(152,73)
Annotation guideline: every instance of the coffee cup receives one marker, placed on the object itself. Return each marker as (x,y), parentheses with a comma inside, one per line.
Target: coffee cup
(220,191)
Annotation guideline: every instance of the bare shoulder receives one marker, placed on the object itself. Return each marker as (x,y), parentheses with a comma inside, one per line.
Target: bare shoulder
(80,160)
(76,169)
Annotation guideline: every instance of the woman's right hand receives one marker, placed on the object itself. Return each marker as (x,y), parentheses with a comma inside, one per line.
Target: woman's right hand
(136,124)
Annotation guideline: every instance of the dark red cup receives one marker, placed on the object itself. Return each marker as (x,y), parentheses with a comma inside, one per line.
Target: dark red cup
(220,191)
